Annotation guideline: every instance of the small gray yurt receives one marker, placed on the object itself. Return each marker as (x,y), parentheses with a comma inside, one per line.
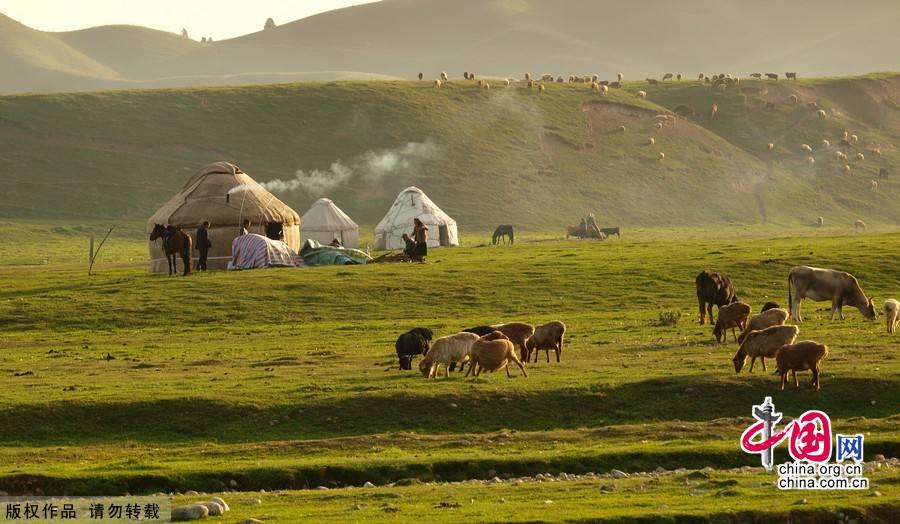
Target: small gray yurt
(325,221)
(224,195)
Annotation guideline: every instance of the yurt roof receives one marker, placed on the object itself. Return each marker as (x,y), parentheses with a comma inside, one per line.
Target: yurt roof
(324,215)
(413,198)
(223,194)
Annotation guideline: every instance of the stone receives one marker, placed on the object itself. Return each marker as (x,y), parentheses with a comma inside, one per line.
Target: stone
(186,513)
(215,509)
(221,502)
(233,483)
(619,474)
(368,485)
(191,493)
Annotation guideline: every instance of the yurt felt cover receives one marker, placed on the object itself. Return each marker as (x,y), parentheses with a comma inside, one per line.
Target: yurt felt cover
(324,222)
(224,195)
(412,203)
(256,251)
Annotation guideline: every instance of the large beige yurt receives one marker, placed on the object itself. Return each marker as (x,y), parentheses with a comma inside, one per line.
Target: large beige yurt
(325,221)
(412,203)
(224,195)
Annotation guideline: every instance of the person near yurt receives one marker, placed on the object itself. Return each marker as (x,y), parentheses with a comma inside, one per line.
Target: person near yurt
(325,222)
(410,204)
(225,196)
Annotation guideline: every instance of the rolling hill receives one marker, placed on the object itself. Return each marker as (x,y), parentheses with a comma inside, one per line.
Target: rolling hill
(399,38)
(506,154)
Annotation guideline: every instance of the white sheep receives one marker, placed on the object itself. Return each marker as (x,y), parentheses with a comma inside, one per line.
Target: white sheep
(860,157)
(444,77)
(846,169)
(825,143)
(821,113)
(806,147)
(891,314)
(793,99)
(874,186)
(658,125)
(437,83)
(770,146)
(642,94)
(447,350)
(541,89)
(662,156)
(876,152)
(810,160)
(506,82)
(651,141)
(820,222)
(763,344)
(840,156)
(604,89)
(854,139)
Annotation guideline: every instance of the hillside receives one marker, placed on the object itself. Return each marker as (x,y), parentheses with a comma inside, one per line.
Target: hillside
(501,155)
(399,38)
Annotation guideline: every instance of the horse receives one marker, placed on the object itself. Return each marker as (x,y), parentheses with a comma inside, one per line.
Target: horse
(502,233)
(175,241)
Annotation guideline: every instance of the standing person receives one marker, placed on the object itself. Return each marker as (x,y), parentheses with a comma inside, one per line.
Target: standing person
(245,229)
(203,244)
(420,235)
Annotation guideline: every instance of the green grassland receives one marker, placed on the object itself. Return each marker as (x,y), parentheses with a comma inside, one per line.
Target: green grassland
(501,155)
(286,379)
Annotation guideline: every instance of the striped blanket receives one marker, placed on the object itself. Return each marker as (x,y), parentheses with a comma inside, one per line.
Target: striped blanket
(256,251)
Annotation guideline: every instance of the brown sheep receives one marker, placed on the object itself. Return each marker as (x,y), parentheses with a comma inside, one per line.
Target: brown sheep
(770,316)
(493,352)
(802,356)
(762,344)
(518,333)
(546,337)
(732,316)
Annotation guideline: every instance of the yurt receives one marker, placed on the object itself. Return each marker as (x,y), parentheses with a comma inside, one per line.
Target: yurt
(412,203)
(225,196)
(325,221)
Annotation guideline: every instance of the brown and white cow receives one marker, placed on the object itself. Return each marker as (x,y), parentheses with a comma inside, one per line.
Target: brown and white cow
(827,284)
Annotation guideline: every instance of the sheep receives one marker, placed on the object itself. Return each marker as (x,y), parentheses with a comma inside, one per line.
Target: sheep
(768,317)
(801,356)
(437,83)
(662,118)
(671,119)
(662,156)
(595,86)
(826,144)
(546,77)
(471,76)
(874,186)
(620,77)
(621,129)
(466,75)
(763,343)
(820,222)
(806,147)
(485,85)
(678,77)
(846,169)
(559,80)
(506,82)
(642,94)
(604,90)
(876,152)
(447,350)
(605,83)
(701,76)
(518,333)
(530,84)
(491,353)
(713,110)
(846,135)
(854,139)
(756,75)
(413,342)
(810,160)
(891,314)
(860,157)
(721,87)
(840,156)
(652,81)
(444,76)
(651,141)
(821,114)
(859,224)
(595,78)
(732,316)
(481,83)
(770,146)
(658,125)
(793,99)
(546,337)
(541,89)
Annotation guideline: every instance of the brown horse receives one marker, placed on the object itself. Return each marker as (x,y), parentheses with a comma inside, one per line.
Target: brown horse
(175,241)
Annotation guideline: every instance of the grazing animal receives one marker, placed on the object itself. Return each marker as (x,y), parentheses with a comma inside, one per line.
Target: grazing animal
(518,333)
(810,160)
(174,242)
(652,81)
(860,157)
(793,99)
(528,77)
(847,169)
(790,76)
(668,76)
(874,186)
(859,224)
(854,139)
(773,316)
(413,342)
(444,77)
(615,85)
(763,344)
(732,316)
(541,89)
(827,284)
(421,76)
(822,114)
(547,337)
(651,141)
(772,76)
(437,83)
(713,110)
(503,232)
(770,146)
(620,77)
(491,353)
(449,350)
(642,94)
(658,125)
(756,75)
(820,222)
(662,156)
(610,231)
(480,330)
(806,147)
(770,305)
(825,143)
(802,356)
(713,289)
(891,314)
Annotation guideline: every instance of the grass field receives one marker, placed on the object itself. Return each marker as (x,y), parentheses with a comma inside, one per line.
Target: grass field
(286,379)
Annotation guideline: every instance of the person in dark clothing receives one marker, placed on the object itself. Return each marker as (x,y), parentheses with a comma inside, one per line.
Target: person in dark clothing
(420,235)
(203,244)
(410,249)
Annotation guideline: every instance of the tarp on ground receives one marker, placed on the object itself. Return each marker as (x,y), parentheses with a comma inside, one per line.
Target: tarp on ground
(256,251)
(315,254)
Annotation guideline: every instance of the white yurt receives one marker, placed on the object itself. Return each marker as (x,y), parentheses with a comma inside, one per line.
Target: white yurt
(412,203)
(224,195)
(325,221)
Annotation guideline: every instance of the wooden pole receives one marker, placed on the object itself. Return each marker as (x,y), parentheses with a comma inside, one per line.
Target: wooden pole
(91,250)
(97,252)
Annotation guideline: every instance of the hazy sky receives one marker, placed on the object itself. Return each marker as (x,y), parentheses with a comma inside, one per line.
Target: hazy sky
(219,19)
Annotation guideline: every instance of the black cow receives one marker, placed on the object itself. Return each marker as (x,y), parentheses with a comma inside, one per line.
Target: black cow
(413,342)
(713,289)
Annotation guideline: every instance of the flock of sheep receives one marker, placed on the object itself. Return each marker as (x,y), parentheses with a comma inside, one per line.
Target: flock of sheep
(483,348)
(765,335)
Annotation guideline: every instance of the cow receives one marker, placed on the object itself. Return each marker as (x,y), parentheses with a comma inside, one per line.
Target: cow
(827,284)
(413,342)
(790,76)
(713,289)
(772,76)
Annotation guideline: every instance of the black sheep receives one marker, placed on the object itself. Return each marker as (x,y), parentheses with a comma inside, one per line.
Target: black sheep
(413,342)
